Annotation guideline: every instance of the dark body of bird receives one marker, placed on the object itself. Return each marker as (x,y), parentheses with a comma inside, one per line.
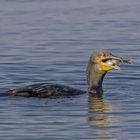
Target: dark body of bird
(44,90)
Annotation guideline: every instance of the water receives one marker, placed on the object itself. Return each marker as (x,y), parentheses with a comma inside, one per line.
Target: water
(51,40)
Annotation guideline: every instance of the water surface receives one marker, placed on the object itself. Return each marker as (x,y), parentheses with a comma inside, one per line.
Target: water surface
(51,40)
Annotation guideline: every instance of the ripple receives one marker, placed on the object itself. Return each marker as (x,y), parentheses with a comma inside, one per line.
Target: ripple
(50,41)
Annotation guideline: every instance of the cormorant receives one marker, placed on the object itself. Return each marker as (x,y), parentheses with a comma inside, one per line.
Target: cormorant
(99,64)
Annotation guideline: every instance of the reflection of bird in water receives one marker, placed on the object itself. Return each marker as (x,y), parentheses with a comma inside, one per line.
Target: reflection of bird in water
(98,117)
(97,109)
(99,64)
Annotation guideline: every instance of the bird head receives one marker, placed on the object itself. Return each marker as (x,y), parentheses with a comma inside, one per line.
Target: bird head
(106,61)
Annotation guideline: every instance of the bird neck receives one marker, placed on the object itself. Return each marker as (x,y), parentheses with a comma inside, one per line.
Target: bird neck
(95,78)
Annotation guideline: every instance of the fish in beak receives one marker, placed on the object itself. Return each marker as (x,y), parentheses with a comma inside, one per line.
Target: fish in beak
(110,62)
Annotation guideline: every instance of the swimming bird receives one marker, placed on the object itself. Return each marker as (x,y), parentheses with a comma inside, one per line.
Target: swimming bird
(98,65)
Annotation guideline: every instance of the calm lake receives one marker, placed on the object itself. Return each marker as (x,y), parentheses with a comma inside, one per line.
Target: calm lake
(51,41)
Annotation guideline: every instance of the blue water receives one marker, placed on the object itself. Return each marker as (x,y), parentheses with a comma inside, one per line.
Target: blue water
(51,40)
